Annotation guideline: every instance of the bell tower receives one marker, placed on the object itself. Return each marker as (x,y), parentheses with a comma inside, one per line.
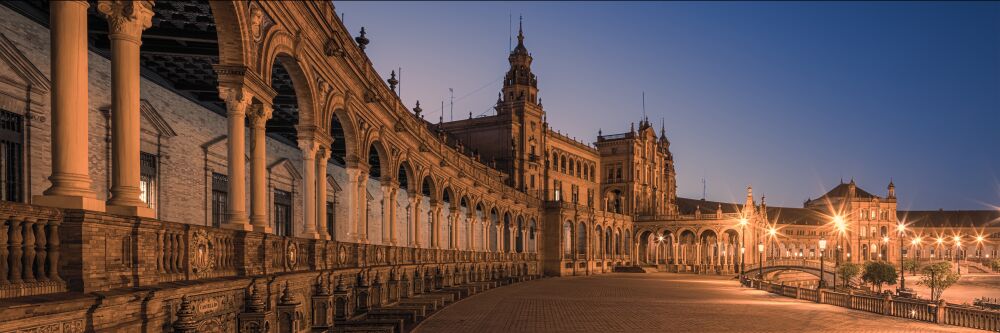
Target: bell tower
(519,106)
(520,84)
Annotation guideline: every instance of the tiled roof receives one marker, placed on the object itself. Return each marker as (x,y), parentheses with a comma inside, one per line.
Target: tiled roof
(798,216)
(687,206)
(951,218)
(841,191)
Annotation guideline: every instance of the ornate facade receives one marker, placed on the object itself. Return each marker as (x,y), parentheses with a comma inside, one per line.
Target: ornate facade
(240,166)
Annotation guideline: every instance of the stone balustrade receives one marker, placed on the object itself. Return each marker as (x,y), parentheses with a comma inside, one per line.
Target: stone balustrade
(29,250)
(193,278)
(936,312)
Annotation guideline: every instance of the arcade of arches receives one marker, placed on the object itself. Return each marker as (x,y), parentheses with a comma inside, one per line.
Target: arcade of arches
(247,169)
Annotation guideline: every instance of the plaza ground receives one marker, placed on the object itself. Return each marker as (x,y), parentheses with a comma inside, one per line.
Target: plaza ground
(969,288)
(655,302)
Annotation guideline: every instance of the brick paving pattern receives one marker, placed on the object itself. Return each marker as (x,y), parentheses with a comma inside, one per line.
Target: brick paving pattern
(658,302)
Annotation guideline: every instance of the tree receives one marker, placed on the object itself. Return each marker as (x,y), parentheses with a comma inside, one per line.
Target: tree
(848,271)
(878,273)
(938,277)
(995,264)
(910,265)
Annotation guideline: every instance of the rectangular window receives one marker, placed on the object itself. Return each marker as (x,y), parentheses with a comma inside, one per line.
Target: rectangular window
(11,156)
(576,194)
(147,179)
(557,190)
(220,198)
(282,213)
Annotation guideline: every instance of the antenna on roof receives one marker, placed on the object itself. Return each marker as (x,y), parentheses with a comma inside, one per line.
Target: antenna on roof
(399,87)
(452,111)
(643,105)
(510,35)
(704,189)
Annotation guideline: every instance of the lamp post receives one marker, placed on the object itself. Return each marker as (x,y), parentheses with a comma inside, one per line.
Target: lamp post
(916,258)
(760,260)
(743,239)
(958,250)
(770,233)
(902,269)
(979,246)
(838,223)
(822,248)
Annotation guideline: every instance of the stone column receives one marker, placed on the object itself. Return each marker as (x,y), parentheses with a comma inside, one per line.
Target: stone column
(70,173)
(322,158)
(436,224)
(237,101)
(362,203)
(388,211)
(470,231)
(258,115)
(456,213)
(309,148)
(414,198)
(126,21)
(353,174)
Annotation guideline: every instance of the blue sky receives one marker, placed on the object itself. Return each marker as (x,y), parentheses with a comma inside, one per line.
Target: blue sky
(789,97)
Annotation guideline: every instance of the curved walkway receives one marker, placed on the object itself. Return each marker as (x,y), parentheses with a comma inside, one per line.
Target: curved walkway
(658,302)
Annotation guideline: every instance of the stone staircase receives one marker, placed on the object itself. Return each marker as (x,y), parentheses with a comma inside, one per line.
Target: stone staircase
(633,269)
(410,309)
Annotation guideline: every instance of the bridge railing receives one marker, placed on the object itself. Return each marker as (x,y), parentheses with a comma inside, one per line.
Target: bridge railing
(939,312)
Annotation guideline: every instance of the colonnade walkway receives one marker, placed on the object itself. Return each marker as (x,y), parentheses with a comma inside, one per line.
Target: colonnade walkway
(654,302)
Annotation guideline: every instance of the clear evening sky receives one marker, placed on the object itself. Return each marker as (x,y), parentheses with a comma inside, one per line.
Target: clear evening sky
(788,97)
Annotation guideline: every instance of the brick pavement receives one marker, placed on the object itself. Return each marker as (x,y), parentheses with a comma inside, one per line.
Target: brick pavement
(659,302)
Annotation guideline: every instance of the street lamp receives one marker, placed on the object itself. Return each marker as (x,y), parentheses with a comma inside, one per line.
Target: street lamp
(760,260)
(979,245)
(902,274)
(822,248)
(771,232)
(916,257)
(743,239)
(958,250)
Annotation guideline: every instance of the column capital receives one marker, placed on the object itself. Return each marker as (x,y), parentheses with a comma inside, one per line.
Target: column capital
(259,114)
(237,100)
(127,19)
(323,155)
(309,148)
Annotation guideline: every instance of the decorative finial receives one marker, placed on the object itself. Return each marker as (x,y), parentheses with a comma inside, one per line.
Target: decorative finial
(362,40)
(417,109)
(520,28)
(499,97)
(256,300)
(599,132)
(185,316)
(286,295)
(392,81)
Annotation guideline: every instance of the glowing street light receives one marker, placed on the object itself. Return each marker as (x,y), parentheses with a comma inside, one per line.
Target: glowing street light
(822,248)
(743,240)
(958,251)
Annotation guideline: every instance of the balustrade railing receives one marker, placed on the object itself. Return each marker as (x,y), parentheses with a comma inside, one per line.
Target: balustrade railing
(29,250)
(109,252)
(922,310)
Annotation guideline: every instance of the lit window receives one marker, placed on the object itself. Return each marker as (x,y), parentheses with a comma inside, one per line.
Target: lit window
(147,179)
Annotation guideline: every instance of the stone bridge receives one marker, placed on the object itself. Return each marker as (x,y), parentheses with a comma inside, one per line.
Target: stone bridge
(801,265)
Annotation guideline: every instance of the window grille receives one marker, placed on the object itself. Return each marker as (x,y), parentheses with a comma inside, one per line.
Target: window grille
(12,152)
(282,213)
(147,179)
(220,199)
